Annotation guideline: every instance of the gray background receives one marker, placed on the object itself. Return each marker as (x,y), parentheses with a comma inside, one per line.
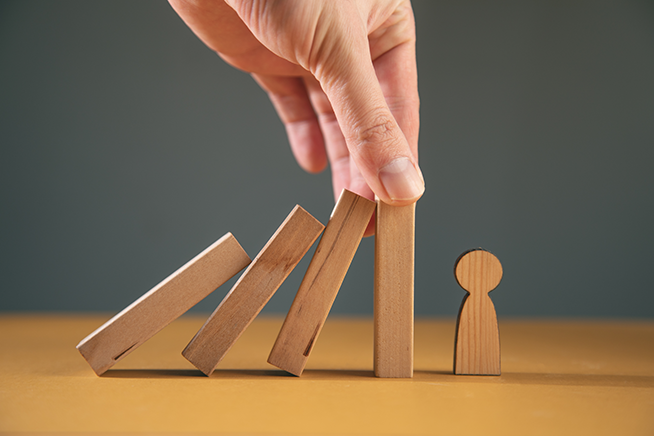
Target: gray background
(127,147)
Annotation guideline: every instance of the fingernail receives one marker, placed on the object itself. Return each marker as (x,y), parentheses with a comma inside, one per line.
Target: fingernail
(401,180)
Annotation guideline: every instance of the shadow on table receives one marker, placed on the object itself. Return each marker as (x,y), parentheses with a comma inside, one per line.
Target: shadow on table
(152,373)
(551,379)
(233,374)
(438,377)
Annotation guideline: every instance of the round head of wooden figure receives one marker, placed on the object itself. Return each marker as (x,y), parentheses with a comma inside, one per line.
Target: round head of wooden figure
(478,271)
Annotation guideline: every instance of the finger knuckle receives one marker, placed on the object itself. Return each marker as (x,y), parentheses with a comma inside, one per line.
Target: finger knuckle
(378,132)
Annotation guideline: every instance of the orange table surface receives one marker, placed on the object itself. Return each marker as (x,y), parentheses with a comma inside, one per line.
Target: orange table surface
(559,377)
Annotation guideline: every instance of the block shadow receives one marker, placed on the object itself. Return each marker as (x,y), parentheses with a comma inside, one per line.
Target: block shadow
(237,374)
(152,373)
(440,377)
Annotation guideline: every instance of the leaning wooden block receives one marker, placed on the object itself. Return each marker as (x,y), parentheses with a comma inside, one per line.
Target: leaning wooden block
(253,290)
(393,307)
(321,282)
(138,322)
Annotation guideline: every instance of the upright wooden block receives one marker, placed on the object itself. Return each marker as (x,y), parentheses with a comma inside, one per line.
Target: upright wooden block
(393,308)
(138,322)
(252,291)
(477,342)
(321,282)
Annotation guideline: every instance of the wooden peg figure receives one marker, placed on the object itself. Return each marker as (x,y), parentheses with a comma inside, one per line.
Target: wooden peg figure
(477,343)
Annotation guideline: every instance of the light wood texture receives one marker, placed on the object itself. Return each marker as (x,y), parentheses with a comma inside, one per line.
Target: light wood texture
(560,377)
(477,343)
(393,307)
(253,290)
(182,290)
(321,282)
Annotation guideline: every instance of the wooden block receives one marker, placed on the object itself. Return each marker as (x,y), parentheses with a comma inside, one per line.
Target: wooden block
(393,309)
(321,282)
(183,289)
(477,342)
(252,291)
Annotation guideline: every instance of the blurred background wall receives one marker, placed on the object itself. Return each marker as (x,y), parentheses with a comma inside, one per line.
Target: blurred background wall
(127,147)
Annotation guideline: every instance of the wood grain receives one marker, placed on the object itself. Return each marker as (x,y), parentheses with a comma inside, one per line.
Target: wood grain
(142,319)
(321,282)
(477,343)
(393,307)
(253,290)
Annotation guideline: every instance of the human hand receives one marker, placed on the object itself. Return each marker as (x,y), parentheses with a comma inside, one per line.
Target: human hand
(342,77)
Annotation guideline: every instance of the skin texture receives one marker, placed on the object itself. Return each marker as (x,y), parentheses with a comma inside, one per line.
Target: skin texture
(342,77)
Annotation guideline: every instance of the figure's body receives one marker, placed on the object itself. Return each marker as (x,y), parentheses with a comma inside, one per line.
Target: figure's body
(477,344)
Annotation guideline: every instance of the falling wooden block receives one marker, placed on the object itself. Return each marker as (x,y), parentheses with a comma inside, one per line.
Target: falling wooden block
(252,291)
(393,307)
(321,282)
(477,343)
(164,303)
